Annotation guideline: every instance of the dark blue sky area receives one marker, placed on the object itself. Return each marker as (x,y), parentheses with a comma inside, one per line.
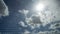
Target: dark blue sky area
(10,23)
(18,4)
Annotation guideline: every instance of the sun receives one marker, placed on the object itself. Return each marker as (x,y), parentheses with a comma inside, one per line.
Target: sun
(40,7)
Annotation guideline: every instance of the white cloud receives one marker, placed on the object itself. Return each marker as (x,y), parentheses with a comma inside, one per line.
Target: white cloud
(3,9)
(54,32)
(23,11)
(53,7)
(33,21)
(22,24)
(51,14)
(49,32)
(26,32)
(43,18)
(42,32)
(54,26)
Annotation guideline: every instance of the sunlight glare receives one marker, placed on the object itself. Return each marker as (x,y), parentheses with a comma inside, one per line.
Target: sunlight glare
(40,7)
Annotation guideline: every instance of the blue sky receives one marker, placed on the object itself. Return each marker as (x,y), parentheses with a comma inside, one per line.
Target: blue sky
(21,11)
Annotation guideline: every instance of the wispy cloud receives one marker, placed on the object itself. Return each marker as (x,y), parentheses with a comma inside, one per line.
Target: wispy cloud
(3,9)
